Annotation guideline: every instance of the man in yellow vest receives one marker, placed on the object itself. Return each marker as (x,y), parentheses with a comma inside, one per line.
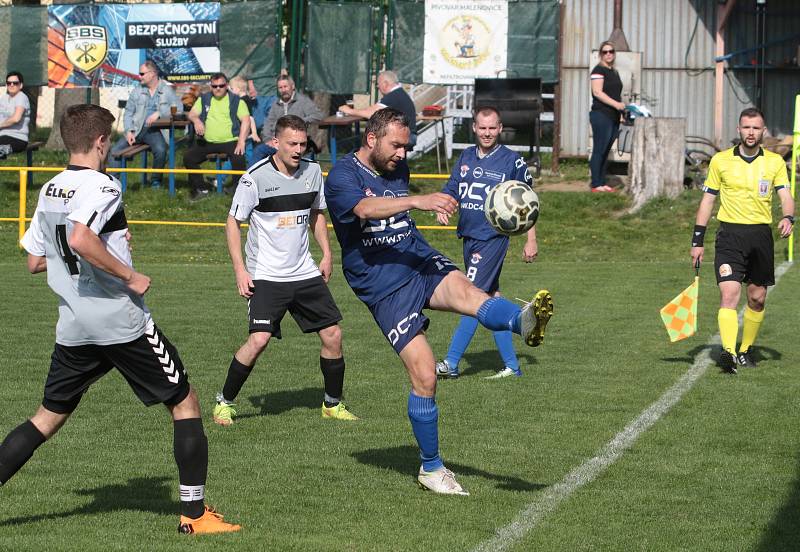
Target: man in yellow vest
(222,123)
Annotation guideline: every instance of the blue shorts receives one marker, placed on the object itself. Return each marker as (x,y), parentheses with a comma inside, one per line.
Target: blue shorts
(399,314)
(483,261)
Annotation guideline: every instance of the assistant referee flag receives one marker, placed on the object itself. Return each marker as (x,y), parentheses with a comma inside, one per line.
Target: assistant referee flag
(680,314)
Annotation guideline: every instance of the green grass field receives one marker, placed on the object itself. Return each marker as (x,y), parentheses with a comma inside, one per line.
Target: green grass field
(719,471)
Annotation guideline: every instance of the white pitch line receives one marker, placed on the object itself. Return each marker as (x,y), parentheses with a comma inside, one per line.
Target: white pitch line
(587,472)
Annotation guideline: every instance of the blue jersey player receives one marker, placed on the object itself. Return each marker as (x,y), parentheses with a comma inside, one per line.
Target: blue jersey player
(478,170)
(394,271)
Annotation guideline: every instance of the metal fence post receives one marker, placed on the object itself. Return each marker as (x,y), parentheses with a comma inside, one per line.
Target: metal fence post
(23,200)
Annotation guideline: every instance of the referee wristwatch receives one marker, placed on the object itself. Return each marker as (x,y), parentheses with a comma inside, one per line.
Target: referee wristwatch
(790,218)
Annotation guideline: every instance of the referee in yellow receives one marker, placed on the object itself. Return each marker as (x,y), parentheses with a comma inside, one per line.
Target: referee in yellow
(745,178)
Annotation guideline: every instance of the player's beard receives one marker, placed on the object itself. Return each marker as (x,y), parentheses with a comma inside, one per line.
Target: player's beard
(382,163)
(756,141)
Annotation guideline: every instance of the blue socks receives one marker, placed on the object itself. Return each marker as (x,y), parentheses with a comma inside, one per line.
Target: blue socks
(460,341)
(424,417)
(505,346)
(500,314)
(462,337)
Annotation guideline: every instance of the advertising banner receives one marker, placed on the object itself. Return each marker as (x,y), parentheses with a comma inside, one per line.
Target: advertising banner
(104,45)
(465,39)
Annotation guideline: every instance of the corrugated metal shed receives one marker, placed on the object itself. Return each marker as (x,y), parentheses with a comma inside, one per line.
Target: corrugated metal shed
(676,38)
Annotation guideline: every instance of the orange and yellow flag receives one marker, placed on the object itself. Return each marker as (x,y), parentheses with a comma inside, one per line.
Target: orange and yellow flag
(680,314)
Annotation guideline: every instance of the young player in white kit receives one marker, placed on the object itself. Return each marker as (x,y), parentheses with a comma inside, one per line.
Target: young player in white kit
(79,235)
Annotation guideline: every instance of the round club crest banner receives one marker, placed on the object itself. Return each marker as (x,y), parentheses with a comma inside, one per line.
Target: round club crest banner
(464,40)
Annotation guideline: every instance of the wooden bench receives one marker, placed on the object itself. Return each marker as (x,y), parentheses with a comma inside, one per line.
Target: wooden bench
(129,153)
(32,147)
(219,159)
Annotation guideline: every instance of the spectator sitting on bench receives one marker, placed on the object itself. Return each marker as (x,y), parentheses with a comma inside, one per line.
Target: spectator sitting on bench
(222,124)
(261,106)
(290,102)
(15,116)
(393,96)
(148,102)
(238,86)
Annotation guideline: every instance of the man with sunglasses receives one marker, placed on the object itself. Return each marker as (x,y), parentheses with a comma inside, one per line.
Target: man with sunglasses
(149,101)
(15,116)
(222,123)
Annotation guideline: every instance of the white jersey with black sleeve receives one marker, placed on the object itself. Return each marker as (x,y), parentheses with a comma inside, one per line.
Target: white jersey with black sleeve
(278,207)
(95,308)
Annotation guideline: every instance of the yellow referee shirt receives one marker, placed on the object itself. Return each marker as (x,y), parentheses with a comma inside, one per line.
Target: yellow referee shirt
(745,188)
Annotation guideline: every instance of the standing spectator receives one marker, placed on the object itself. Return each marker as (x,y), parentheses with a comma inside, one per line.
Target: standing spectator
(393,96)
(15,114)
(222,124)
(290,102)
(148,102)
(605,114)
(745,177)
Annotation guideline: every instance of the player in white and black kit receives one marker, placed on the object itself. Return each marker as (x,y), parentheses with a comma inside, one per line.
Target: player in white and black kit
(281,196)
(79,234)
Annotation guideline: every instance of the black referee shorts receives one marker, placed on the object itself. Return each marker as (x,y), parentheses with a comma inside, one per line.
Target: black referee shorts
(745,253)
(308,301)
(150,364)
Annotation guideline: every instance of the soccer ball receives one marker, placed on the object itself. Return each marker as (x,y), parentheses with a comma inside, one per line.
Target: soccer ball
(511,207)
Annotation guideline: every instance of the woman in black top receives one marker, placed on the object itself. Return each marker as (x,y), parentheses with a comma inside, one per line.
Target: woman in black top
(605,114)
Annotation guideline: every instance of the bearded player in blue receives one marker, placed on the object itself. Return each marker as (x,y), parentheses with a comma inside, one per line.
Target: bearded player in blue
(394,271)
(479,169)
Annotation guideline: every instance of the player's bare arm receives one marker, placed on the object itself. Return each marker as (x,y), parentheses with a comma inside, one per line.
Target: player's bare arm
(701,220)
(88,245)
(786,224)
(384,207)
(233,235)
(319,226)
(531,248)
(36,264)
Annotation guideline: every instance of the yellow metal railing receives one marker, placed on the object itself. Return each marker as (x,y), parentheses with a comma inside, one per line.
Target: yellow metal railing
(22,217)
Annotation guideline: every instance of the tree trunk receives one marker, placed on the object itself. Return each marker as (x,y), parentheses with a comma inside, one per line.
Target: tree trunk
(657,159)
(66,97)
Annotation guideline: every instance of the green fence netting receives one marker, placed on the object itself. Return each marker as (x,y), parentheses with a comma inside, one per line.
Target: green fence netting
(249,41)
(408,41)
(23,44)
(532,39)
(339,47)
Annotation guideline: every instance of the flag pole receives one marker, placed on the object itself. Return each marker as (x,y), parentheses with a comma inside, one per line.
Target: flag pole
(795,151)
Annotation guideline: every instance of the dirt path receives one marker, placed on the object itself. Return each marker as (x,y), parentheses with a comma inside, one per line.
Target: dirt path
(567,186)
